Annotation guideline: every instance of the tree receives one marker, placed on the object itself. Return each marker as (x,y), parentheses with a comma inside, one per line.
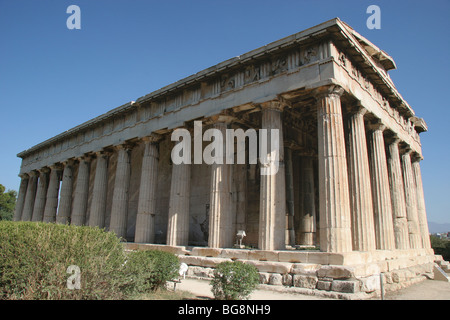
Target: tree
(7,203)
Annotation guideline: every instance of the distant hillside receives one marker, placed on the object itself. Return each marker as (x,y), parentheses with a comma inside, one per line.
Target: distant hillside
(438,227)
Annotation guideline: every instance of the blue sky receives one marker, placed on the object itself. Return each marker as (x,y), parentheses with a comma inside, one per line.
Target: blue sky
(53,78)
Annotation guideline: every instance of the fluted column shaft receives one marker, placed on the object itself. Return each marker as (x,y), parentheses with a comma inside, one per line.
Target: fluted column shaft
(415,240)
(307,202)
(99,192)
(65,197)
(30,197)
(335,217)
(421,209)
(41,196)
(272,209)
(21,197)
(81,193)
(398,197)
(363,229)
(51,203)
(220,219)
(382,204)
(145,220)
(119,209)
(178,224)
(290,232)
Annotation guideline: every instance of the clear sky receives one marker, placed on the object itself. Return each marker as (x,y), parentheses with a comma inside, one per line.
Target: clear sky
(53,78)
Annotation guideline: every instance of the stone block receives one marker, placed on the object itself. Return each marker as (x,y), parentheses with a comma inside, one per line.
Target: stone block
(304,268)
(336,272)
(234,254)
(202,261)
(323,285)
(276,279)
(264,277)
(371,283)
(345,286)
(269,266)
(262,255)
(206,252)
(304,281)
(287,280)
(293,256)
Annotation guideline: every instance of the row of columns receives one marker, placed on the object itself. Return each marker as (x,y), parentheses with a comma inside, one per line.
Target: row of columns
(368,200)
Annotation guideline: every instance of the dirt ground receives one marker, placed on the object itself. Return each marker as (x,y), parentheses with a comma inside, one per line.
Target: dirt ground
(425,290)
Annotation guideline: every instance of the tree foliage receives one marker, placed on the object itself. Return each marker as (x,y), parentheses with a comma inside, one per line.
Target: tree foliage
(7,203)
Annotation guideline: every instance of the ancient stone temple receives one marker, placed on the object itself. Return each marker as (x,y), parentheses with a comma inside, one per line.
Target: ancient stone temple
(345,205)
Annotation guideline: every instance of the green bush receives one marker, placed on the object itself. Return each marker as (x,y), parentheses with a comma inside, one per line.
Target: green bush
(149,270)
(34,258)
(234,280)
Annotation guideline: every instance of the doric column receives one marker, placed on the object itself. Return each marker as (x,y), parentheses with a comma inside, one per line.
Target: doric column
(415,240)
(65,197)
(272,209)
(363,229)
(41,195)
(30,197)
(99,191)
(178,222)
(221,234)
(421,210)
(397,196)
(335,217)
(21,197)
(382,204)
(145,220)
(290,232)
(81,192)
(307,202)
(119,209)
(51,203)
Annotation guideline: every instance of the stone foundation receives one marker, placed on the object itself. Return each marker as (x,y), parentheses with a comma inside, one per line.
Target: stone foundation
(352,275)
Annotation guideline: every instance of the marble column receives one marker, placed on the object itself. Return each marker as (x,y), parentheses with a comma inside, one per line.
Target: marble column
(415,240)
(178,222)
(290,232)
(41,195)
(221,234)
(335,217)
(272,209)
(65,196)
(382,204)
(21,197)
(119,208)
(99,191)
(30,197)
(363,228)
(397,196)
(81,192)
(51,203)
(145,220)
(421,210)
(307,202)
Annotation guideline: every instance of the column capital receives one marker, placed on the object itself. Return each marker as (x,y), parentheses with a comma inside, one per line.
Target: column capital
(357,109)
(392,139)
(127,146)
(85,158)
(327,91)
(274,105)
(68,162)
(376,125)
(33,173)
(44,170)
(103,153)
(24,176)
(55,166)
(153,138)
(416,157)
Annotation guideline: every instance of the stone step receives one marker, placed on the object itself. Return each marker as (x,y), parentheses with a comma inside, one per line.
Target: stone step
(440,274)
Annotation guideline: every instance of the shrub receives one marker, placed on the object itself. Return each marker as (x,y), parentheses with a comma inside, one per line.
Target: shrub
(234,280)
(34,258)
(149,270)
